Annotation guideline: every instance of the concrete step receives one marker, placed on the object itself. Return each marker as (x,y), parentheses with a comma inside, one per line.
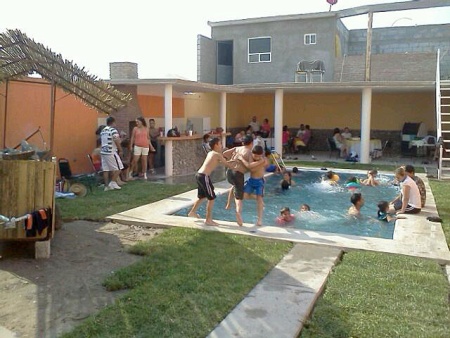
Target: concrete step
(282,301)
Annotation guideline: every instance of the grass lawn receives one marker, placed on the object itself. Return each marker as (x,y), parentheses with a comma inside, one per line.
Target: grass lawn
(98,204)
(188,280)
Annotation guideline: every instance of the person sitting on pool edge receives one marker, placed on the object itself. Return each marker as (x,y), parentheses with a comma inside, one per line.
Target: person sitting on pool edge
(357,203)
(408,201)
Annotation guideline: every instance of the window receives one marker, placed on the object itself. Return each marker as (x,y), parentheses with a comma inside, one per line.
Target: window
(259,50)
(310,39)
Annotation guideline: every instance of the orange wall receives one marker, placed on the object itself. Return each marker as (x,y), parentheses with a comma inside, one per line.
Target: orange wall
(28,107)
(153,106)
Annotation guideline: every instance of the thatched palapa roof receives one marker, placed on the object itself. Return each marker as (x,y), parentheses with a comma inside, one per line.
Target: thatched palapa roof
(20,55)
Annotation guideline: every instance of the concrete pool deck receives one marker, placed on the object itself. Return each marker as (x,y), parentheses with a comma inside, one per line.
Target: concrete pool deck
(281,302)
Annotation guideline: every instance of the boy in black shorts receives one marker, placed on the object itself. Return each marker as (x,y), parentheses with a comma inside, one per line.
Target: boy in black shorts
(204,184)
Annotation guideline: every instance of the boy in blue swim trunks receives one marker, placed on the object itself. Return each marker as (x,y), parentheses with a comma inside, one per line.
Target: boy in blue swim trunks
(255,184)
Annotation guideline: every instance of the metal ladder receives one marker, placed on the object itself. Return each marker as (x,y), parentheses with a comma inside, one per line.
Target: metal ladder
(278,160)
(444,128)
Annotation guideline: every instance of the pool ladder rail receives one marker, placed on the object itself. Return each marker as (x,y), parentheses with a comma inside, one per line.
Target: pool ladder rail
(278,160)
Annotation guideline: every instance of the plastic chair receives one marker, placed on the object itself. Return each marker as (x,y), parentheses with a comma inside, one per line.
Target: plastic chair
(97,170)
(376,153)
(74,183)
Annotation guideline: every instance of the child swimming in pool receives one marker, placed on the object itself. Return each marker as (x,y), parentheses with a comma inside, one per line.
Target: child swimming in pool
(255,184)
(352,183)
(305,207)
(383,213)
(357,203)
(285,216)
(370,180)
(331,178)
(287,181)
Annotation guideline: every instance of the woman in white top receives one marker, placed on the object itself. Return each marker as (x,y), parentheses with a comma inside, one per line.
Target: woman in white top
(340,142)
(408,202)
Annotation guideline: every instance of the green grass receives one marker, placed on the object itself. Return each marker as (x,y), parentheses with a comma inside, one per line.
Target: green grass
(381,295)
(98,204)
(189,280)
(186,283)
(441,191)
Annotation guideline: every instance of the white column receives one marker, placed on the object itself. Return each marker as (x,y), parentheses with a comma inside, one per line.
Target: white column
(168,125)
(278,121)
(366,110)
(223,115)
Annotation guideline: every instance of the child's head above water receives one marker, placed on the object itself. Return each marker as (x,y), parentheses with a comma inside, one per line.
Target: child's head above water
(383,206)
(352,179)
(305,207)
(356,199)
(373,172)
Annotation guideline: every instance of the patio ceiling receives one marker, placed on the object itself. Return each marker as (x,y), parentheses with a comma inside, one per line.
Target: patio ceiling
(181,88)
(20,56)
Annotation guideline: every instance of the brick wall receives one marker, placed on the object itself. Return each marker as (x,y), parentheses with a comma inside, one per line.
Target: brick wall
(387,67)
(123,70)
(188,156)
(129,113)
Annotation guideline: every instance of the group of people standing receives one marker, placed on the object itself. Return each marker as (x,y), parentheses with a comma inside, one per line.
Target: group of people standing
(121,155)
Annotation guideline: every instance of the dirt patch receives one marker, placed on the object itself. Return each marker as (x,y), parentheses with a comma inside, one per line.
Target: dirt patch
(44,298)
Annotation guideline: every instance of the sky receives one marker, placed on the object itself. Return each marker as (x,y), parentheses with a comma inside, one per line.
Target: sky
(161,37)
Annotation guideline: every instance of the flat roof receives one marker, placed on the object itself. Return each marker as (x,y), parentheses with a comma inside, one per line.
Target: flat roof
(184,87)
(377,8)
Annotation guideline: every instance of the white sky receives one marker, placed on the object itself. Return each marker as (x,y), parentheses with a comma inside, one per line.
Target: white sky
(161,36)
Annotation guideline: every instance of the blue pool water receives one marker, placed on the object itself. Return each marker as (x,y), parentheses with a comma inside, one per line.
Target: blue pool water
(329,205)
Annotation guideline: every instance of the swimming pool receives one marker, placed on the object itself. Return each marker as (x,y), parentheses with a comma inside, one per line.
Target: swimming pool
(329,204)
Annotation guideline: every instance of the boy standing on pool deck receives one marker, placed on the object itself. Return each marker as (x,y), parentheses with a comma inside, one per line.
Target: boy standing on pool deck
(204,184)
(255,184)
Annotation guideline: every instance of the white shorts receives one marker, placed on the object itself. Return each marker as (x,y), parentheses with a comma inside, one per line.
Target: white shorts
(111,162)
(138,151)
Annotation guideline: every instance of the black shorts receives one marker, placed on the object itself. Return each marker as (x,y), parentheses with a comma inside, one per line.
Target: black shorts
(236,178)
(409,208)
(205,187)
(155,145)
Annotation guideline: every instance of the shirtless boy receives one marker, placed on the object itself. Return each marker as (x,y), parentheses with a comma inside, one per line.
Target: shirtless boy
(205,188)
(235,176)
(357,203)
(255,184)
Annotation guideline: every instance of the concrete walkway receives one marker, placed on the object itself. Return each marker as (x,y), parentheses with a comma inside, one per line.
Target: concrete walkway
(282,301)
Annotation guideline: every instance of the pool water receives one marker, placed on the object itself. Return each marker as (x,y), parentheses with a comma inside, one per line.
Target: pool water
(329,204)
